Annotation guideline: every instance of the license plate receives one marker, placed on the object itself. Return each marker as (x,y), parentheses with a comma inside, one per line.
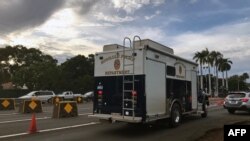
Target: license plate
(233,102)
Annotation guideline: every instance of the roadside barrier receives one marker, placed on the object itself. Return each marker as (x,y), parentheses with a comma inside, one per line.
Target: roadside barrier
(65,109)
(7,104)
(216,101)
(56,99)
(30,106)
(78,99)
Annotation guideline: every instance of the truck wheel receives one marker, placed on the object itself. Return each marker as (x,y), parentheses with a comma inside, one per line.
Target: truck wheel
(175,118)
(204,108)
(231,111)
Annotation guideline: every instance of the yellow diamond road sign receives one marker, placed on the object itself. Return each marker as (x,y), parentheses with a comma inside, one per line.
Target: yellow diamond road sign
(5,103)
(32,105)
(68,108)
(79,99)
(57,99)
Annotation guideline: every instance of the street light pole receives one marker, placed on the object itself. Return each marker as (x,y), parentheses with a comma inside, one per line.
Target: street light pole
(238,84)
(206,74)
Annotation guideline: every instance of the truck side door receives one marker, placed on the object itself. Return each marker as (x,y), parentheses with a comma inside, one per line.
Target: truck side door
(155,87)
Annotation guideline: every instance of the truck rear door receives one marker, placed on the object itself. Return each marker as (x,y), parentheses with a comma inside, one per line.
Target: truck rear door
(108,93)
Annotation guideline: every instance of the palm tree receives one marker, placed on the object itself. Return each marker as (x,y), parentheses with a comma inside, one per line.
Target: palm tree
(227,68)
(215,56)
(200,57)
(221,68)
(210,62)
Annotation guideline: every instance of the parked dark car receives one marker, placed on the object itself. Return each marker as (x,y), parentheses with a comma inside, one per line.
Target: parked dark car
(237,101)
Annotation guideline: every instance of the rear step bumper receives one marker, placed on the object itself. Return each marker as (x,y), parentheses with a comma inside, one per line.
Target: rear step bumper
(114,118)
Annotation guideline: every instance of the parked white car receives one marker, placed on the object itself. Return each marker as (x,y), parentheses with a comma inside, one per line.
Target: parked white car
(88,96)
(43,96)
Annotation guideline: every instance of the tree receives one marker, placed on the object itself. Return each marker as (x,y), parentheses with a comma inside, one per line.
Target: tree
(245,76)
(225,65)
(40,71)
(208,61)
(200,57)
(238,83)
(78,73)
(26,66)
(215,56)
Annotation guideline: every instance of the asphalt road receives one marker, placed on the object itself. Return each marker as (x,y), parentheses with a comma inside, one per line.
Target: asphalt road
(15,126)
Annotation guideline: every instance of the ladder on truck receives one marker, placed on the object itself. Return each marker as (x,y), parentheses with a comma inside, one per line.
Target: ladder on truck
(128,87)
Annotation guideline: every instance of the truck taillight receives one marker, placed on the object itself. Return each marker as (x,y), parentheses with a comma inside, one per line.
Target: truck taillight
(134,93)
(244,100)
(99,92)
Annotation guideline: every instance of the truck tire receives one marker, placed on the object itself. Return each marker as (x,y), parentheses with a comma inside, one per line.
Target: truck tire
(204,108)
(175,117)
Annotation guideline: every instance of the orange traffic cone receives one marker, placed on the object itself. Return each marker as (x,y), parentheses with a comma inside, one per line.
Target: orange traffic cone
(33,128)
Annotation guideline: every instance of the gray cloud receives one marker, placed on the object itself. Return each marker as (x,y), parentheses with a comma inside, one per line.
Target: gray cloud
(63,57)
(83,6)
(104,11)
(24,14)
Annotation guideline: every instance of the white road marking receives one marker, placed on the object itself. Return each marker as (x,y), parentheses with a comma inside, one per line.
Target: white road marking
(27,119)
(52,129)
(85,114)
(12,135)
(38,118)
(43,112)
(8,114)
(67,127)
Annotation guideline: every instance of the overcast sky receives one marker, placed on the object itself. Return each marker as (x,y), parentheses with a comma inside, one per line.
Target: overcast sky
(64,28)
